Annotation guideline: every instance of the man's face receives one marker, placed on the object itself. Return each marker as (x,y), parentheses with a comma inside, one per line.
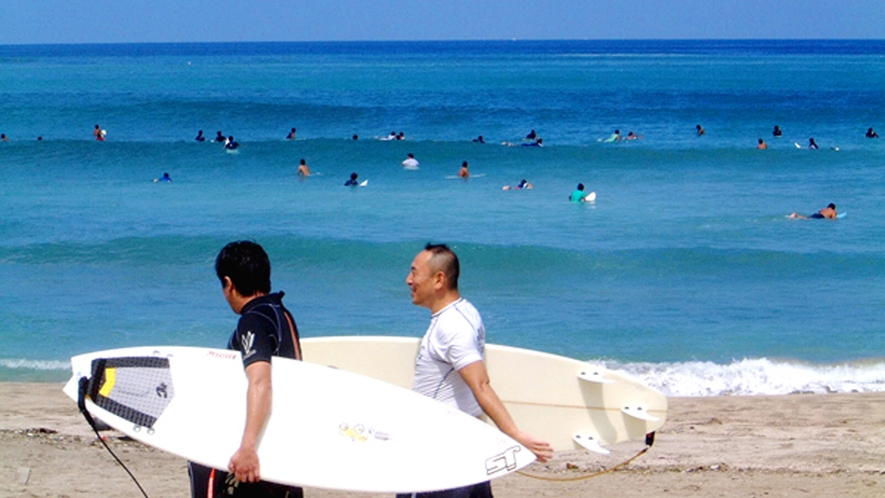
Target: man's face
(422,280)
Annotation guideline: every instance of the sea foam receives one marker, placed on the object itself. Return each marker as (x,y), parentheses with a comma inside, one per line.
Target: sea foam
(759,376)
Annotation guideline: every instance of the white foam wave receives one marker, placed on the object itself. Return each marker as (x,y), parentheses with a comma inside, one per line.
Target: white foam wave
(759,376)
(23,364)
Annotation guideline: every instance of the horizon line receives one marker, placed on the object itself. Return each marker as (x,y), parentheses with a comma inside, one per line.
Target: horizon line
(453,40)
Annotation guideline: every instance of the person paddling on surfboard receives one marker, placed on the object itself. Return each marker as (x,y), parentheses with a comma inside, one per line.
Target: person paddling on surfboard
(450,366)
(265,329)
(828,213)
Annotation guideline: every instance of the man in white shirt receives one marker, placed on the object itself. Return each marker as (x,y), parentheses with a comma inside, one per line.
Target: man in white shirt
(450,366)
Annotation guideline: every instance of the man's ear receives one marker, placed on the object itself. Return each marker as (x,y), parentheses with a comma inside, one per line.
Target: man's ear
(439,280)
(228,285)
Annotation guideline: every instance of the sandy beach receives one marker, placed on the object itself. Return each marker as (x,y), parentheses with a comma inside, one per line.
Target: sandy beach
(797,445)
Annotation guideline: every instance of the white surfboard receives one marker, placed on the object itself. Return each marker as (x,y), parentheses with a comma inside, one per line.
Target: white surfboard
(591,197)
(569,403)
(328,428)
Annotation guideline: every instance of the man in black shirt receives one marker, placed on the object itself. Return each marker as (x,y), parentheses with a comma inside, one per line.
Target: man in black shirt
(265,329)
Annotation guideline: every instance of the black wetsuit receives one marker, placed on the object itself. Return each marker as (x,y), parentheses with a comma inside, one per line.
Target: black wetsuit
(262,332)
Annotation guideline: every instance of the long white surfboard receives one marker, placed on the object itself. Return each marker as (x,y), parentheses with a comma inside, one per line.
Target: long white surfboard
(569,403)
(328,428)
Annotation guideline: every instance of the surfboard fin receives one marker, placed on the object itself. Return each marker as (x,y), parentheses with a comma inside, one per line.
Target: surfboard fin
(594,376)
(639,412)
(590,443)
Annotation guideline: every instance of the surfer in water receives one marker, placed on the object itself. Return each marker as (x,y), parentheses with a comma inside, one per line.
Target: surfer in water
(353,182)
(463,172)
(522,185)
(614,137)
(578,195)
(777,131)
(200,137)
(231,144)
(291,135)
(303,168)
(410,162)
(454,343)
(700,130)
(762,145)
(265,329)
(828,213)
(871,133)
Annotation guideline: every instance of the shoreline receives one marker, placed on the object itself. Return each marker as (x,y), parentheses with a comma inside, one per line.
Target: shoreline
(809,444)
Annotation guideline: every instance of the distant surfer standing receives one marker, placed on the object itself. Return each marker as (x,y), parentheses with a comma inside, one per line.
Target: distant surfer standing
(450,366)
(265,329)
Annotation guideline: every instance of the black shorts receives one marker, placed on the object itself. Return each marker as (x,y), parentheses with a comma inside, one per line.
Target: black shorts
(481,490)
(210,483)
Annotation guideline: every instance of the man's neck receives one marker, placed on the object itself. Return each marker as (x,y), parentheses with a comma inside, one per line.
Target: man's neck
(447,299)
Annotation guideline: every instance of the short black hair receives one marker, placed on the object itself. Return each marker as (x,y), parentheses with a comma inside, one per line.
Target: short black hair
(832,206)
(247,266)
(444,259)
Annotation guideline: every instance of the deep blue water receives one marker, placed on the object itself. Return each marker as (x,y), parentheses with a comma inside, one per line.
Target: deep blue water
(684,272)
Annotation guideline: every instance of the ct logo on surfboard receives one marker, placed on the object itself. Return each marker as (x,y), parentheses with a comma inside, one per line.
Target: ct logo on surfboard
(503,461)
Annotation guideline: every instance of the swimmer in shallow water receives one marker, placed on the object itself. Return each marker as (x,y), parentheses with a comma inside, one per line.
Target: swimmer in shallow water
(828,213)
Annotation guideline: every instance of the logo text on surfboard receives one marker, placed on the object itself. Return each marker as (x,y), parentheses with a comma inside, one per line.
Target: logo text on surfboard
(502,461)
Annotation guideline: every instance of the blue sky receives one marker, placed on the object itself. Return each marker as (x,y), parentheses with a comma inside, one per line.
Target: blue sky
(115,21)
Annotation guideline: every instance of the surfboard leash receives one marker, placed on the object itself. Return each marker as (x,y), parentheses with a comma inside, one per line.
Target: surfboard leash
(649,442)
(81,404)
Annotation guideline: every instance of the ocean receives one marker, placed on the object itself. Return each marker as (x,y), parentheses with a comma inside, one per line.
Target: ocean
(685,272)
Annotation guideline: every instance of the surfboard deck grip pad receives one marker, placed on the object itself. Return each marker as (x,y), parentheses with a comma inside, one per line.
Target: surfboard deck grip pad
(137,389)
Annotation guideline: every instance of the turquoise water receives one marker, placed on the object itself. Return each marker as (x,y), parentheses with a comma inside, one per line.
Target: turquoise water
(684,272)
